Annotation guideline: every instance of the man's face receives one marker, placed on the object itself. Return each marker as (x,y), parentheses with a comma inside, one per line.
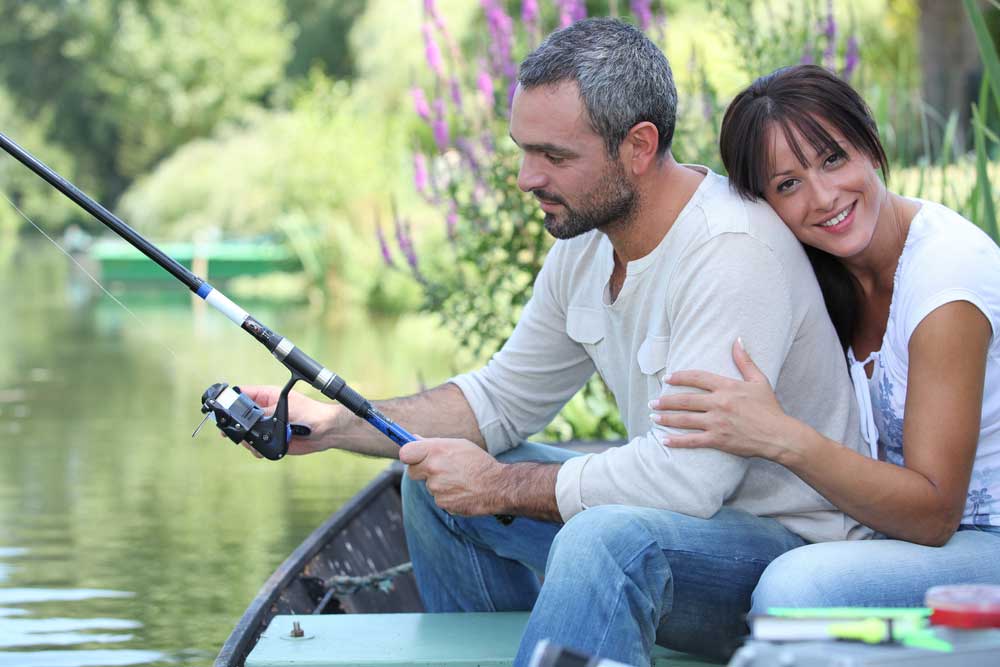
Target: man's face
(565,164)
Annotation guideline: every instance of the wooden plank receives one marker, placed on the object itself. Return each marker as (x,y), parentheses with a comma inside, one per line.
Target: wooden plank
(412,640)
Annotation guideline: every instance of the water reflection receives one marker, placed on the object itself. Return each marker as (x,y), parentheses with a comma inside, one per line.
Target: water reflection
(143,545)
(94,658)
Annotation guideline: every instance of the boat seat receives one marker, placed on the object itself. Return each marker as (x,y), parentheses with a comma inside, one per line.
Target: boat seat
(413,640)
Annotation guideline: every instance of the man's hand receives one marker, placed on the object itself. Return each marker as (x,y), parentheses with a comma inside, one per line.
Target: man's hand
(319,417)
(463,479)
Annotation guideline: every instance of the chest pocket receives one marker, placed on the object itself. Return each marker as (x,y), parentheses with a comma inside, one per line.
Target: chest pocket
(585,325)
(652,359)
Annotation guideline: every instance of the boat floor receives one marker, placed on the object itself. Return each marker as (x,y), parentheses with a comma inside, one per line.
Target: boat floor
(416,640)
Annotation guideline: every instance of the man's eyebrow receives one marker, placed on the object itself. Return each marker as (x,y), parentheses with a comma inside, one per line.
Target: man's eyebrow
(544,147)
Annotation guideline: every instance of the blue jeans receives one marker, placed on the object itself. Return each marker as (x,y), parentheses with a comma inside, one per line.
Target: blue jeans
(877,573)
(617,579)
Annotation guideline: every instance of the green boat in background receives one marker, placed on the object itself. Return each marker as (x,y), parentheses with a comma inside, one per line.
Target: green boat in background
(216,260)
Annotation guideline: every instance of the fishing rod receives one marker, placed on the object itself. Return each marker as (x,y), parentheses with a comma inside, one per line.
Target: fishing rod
(235,413)
(242,418)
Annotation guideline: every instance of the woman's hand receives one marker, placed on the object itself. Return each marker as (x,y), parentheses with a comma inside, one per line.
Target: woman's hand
(738,417)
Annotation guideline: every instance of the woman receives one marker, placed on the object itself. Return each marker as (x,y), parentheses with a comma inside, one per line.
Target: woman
(914,292)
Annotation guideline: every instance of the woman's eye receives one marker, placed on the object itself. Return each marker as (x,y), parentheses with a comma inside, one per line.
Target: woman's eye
(785,185)
(834,158)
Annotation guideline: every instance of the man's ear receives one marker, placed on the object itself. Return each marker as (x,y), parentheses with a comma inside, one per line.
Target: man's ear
(639,147)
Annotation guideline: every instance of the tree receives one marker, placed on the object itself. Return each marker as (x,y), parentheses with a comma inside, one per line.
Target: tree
(949,64)
(124,82)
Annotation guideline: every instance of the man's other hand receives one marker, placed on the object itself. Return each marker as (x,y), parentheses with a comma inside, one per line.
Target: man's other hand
(463,479)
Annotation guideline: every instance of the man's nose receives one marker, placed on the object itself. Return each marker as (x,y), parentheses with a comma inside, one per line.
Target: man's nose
(530,176)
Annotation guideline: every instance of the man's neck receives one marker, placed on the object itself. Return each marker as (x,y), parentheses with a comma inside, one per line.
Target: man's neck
(662,196)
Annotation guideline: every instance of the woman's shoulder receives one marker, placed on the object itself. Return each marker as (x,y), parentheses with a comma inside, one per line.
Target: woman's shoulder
(940,238)
(946,258)
(936,223)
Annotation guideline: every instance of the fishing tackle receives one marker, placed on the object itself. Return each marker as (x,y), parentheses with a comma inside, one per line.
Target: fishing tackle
(268,435)
(240,419)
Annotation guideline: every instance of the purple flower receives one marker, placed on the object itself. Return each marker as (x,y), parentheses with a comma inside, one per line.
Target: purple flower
(571,11)
(643,13)
(439,126)
(467,151)
(660,23)
(420,103)
(404,239)
(456,93)
(852,58)
(486,141)
(501,29)
(430,10)
(383,246)
(451,220)
(431,51)
(830,31)
(420,178)
(484,82)
(529,13)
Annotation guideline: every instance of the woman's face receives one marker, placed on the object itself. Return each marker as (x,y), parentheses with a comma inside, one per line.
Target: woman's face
(833,202)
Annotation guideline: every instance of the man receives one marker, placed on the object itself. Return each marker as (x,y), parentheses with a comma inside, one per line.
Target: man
(658,267)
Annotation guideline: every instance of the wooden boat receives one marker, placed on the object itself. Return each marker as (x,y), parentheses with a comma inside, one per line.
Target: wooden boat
(331,573)
(363,538)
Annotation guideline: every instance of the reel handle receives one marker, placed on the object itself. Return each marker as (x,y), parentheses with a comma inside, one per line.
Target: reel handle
(242,420)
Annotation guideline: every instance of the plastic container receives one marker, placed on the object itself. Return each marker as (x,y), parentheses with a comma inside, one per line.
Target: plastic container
(964,606)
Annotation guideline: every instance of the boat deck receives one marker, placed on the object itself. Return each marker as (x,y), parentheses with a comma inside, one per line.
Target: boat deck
(413,640)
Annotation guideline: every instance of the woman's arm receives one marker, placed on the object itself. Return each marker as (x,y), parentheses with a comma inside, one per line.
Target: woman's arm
(922,502)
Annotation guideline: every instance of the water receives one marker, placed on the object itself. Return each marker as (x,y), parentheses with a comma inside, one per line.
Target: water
(122,540)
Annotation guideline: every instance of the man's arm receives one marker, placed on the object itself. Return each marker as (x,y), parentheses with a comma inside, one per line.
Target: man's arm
(732,286)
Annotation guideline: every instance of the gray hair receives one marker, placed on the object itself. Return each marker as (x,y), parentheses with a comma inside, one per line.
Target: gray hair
(623,78)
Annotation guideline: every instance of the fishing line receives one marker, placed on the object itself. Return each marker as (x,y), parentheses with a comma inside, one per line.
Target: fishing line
(145,325)
(235,413)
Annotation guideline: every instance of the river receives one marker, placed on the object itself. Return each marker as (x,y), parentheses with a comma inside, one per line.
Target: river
(123,541)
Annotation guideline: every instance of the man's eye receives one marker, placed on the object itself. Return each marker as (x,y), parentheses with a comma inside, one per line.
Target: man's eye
(554,159)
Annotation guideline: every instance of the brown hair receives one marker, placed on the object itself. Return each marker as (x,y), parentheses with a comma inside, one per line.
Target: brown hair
(793,98)
(798,98)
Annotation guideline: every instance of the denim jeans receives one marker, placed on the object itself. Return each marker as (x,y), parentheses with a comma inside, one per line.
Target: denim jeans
(877,573)
(617,579)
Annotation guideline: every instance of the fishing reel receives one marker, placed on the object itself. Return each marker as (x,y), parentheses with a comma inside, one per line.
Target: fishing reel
(242,420)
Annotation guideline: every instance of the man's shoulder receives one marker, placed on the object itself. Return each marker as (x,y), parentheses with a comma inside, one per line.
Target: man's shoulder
(718,223)
(723,211)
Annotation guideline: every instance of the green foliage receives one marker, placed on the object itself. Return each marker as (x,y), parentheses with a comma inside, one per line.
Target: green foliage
(122,83)
(983,204)
(34,197)
(314,173)
(481,278)
(485,273)
(322,40)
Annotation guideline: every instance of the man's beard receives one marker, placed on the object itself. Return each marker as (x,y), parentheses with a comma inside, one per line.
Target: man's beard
(614,200)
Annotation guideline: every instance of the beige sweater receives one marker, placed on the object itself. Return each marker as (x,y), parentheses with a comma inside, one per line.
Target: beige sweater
(726,268)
